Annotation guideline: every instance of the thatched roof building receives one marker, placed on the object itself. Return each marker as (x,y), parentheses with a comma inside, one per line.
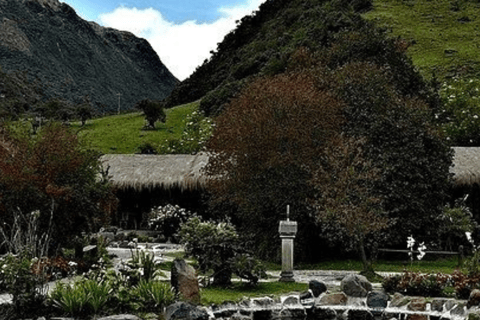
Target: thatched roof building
(146,172)
(466,168)
(183,171)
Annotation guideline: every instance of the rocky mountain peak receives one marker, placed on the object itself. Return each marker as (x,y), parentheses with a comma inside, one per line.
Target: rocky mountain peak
(74,59)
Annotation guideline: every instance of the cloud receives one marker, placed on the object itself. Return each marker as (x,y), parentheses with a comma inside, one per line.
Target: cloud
(181,47)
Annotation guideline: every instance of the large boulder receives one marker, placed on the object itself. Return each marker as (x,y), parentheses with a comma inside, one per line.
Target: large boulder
(356,286)
(317,287)
(185,311)
(377,300)
(474,299)
(184,281)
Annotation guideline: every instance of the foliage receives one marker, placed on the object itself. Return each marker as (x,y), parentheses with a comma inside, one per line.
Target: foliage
(83,297)
(417,284)
(59,176)
(154,295)
(459,117)
(142,266)
(167,219)
(27,288)
(112,292)
(54,110)
(153,111)
(84,112)
(198,129)
(217,247)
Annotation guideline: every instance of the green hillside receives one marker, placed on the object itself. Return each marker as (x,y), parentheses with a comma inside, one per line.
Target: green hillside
(443,35)
(125,134)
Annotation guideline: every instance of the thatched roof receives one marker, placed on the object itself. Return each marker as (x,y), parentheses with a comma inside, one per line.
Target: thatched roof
(466,168)
(141,171)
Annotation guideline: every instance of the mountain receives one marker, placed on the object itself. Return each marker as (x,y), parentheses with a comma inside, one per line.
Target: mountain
(262,44)
(73,59)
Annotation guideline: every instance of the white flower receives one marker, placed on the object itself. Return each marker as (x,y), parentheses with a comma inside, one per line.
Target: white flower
(410,242)
(421,249)
(469,237)
(475,117)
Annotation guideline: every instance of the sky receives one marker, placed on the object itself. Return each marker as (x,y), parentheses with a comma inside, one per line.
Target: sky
(182,32)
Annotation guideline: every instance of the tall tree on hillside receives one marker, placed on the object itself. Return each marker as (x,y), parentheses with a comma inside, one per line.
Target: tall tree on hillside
(153,111)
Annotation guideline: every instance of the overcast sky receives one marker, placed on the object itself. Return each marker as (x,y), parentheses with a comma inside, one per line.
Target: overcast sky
(182,32)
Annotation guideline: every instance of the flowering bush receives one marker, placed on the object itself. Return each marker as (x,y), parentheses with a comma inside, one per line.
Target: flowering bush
(412,283)
(460,117)
(218,248)
(198,130)
(167,219)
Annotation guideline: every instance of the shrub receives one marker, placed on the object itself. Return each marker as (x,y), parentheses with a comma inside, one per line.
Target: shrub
(417,284)
(154,295)
(217,247)
(167,219)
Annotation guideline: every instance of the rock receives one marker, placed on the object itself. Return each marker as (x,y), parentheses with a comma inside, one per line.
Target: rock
(334,299)
(474,299)
(399,300)
(356,286)
(473,316)
(417,304)
(184,281)
(458,310)
(263,302)
(417,317)
(324,314)
(377,300)
(74,58)
(437,304)
(450,304)
(291,301)
(185,311)
(289,314)
(360,315)
(240,316)
(317,287)
(121,317)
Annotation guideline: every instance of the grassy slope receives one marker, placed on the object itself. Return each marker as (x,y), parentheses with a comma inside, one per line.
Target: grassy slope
(124,133)
(440,41)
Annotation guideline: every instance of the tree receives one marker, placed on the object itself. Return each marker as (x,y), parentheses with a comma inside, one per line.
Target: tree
(295,139)
(58,175)
(153,111)
(84,112)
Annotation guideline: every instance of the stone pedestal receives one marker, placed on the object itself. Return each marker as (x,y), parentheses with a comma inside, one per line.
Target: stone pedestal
(287,230)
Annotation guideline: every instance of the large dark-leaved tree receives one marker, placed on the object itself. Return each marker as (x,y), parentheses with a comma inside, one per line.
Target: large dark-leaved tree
(55,176)
(340,137)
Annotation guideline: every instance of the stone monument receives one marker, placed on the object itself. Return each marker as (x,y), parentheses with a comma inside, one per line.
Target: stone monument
(287,230)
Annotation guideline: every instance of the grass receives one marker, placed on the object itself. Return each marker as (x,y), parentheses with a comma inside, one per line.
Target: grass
(444,34)
(240,291)
(123,134)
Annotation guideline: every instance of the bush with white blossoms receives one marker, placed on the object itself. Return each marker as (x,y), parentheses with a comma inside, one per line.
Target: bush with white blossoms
(421,248)
(167,219)
(460,116)
(198,130)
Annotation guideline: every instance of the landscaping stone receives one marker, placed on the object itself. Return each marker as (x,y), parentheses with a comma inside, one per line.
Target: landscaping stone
(317,287)
(437,304)
(474,299)
(356,285)
(458,310)
(359,315)
(377,300)
(417,317)
(121,317)
(417,304)
(291,301)
(184,281)
(240,316)
(185,311)
(450,304)
(324,314)
(399,300)
(289,314)
(334,299)
(263,302)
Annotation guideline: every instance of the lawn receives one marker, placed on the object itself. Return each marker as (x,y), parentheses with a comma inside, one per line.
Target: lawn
(444,35)
(123,134)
